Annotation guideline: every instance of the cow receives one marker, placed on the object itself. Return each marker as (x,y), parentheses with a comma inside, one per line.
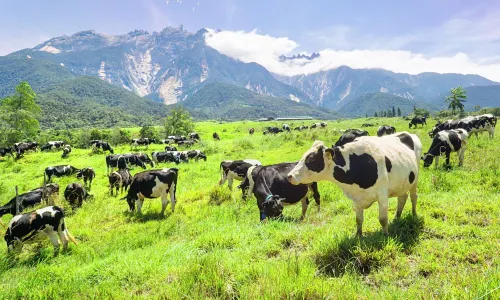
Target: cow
(52,145)
(30,199)
(196,154)
(385,130)
(66,151)
(173,139)
(445,142)
(367,125)
(113,161)
(119,179)
(297,129)
(153,184)
(482,123)
(235,169)
(143,157)
(59,171)
(251,131)
(285,127)
(315,125)
(368,170)
(75,193)
(142,142)
(102,146)
(6,151)
(37,225)
(216,136)
(446,125)
(418,120)
(87,174)
(21,148)
(194,136)
(167,156)
(272,189)
(349,136)
(187,143)
(323,124)
(304,127)
(273,130)
(170,148)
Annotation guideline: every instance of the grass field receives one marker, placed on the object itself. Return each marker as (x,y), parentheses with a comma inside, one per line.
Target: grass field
(214,246)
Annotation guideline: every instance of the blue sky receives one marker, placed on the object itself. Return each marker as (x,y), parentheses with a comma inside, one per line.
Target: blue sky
(438,28)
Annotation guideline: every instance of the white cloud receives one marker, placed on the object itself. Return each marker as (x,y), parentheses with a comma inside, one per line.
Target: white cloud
(265,50)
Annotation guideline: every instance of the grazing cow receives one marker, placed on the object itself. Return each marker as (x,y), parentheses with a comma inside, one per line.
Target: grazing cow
(473,125)
(59,171)
(29,199)
(367,125)
(418,120)
(143,157)
(37,225)
(21,148)
(304,127)
(368,170)
(285,127)
(251,131)
(119,179)
(173,139)
(169,148)
(5,151)
(52,145)
(142,142)
(323,124)
(187,143)
(113,161)
(66,151)
(298,129)
(196,154)
(167,156)
(87,174)
(152,184)
(446,125)
(75,193)
(102,146)
(385,130)
(235,169)
(446,141)
(349,136)
(216,136)
(273,130)
(315,125)
(272,189)
(194,136)
(92,142)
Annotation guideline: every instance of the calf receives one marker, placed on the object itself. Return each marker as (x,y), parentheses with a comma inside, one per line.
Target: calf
(445,142)
(102,146)
(119,179)
(235,169)
(66,151)
(194,136)
(216,136)
(75,193)
(417,120)
(196,154)
(29,199)
(167,156)
(152,184)
(385,130)
(368,170)
(272,189)
(87,174)
(349,136)
(37,225)
(251,131)
(59,171)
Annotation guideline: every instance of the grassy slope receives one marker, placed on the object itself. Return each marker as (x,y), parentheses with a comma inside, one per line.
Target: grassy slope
(219,249)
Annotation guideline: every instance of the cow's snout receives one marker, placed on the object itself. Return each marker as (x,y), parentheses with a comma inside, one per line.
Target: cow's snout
(290,178)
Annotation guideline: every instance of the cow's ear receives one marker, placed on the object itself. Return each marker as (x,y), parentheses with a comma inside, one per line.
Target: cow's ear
(330,151)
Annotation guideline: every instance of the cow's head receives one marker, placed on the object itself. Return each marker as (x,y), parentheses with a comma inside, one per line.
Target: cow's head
(428,159)
(244,186)
(272,206)
(139,162)
(111,150)
(434,131)
(74,170)
(131,198)
(13,243)
(314,165)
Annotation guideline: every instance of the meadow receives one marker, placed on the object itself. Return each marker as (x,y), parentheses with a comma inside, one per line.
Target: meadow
(214,246)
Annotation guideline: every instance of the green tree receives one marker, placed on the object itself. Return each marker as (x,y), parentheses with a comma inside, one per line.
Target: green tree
(148,132)
(477,108)
(421,112)
(178,122)
(119,136)
(399,112)
(20,115)
(393,111)
(457,99)
(96,134)
(375,115)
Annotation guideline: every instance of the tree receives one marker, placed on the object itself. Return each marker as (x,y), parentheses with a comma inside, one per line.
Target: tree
(399,112)
(477,108)
(393,111)
(366,115)
(456,99)
(178,122)
(421,112)
(375,115)
(19,115)
(148,132)
(119,136)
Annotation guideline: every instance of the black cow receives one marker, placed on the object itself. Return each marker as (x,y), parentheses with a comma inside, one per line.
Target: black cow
(186,143)
(445,142)
(285,127)
(112,161)
(273,130)
(29,199)
(196,154)
(152,184)
(170,148)
(119,179)
(37,225)
(273,190)
(87,174)
(59,171)
(21,148)
(102,146)
(235,169)
(194,136)
(367,125)
(52,145)
(167,156)
(385,130)
(349,136)
(66,151)
(418,120)
(251,131)
(297,129)
(75,193)
(144,157)
(6,151)
(216,136)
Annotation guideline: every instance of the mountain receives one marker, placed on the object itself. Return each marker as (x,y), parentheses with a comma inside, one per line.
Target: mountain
(338,87)
(92,102)
(167,66)
(230,102)
(484,96)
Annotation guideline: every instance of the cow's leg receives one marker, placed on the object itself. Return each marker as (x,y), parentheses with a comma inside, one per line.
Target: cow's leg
(401,205)
(64,239)
(139,203)
(111,186)
(414,197)
(447,159)
(172,196)
(164,204)
(436,161)
(230,182)
(224,178)
(491,132)
(317,198)
(359,220)
(383,207)
(54,239)
(461,156)
(305,204)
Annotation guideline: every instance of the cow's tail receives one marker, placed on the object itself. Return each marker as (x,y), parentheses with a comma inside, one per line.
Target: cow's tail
(70,237)
(221,172)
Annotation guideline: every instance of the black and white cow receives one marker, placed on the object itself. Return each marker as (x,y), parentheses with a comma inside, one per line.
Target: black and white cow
(6,151)
(52,145)
(87,174)
(285,127)
(66,151)
(235,169)
(298,128)
(167,156)
(385,130)
(47,222)
(153,184)
(113,161)
(59,171)
(445,142)
(272,189)
(251,131)
(194,136)
(446,125)
(186,143)
(473,125)
(216,136)
(75,193)
(173,139)
(170,148)
(349,136)
(323,124)
(142,142)
(30,199)
(102,146)
(367,125)
(418,120)
(368,170)
(143,157)
(315,125)
(21,148)
(196,154)
(273,130)
(119,179)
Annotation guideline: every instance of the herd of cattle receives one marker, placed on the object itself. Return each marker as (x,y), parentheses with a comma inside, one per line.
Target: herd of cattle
(366,168)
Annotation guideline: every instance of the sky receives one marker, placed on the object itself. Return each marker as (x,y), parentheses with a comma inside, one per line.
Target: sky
(403,36)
